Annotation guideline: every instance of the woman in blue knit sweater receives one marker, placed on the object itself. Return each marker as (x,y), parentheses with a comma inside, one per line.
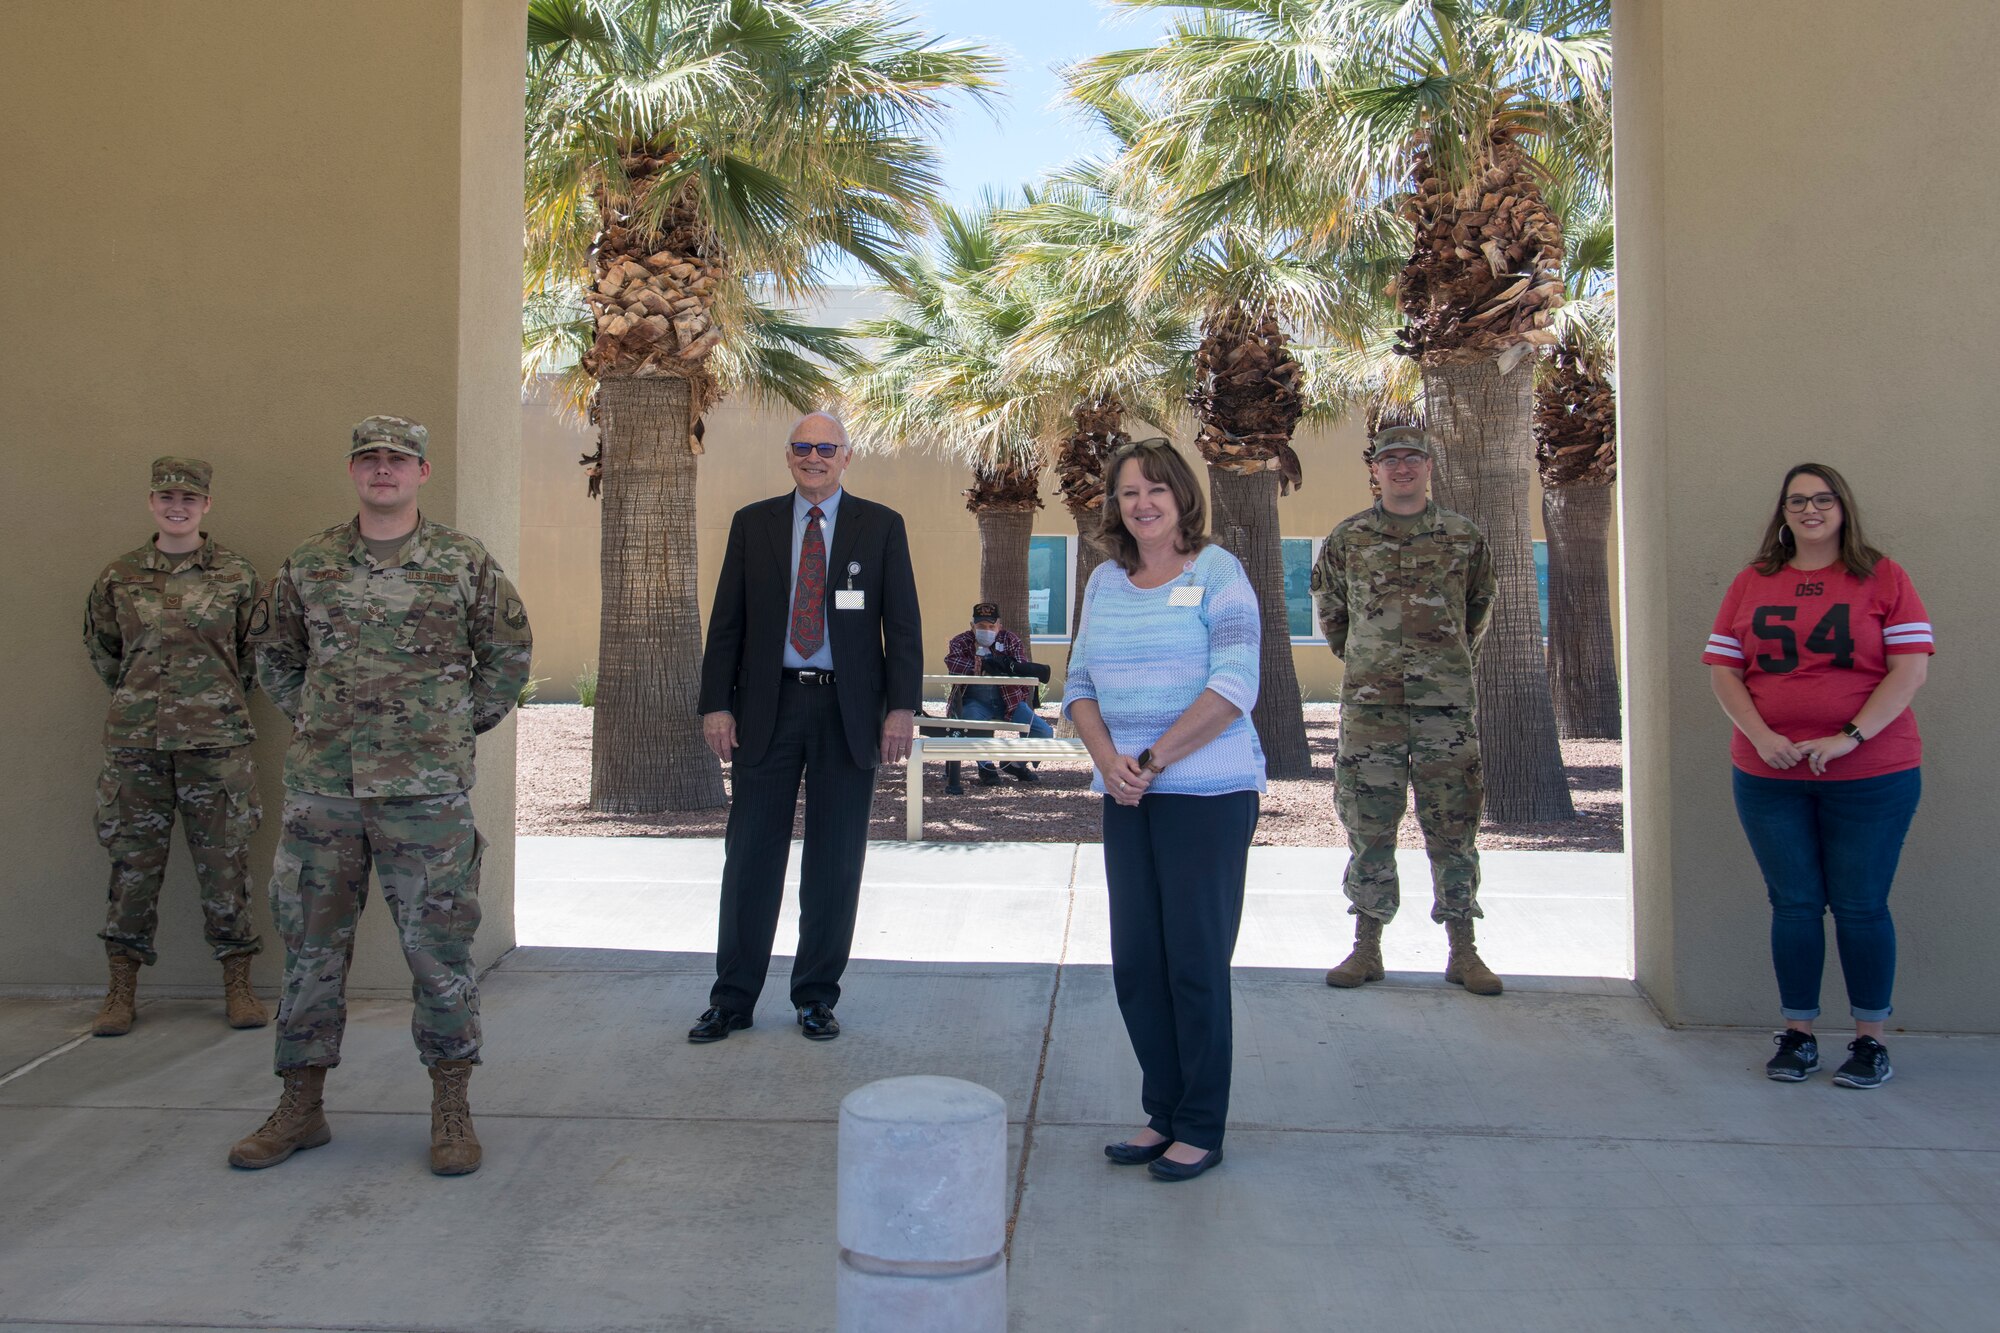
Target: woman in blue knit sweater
(1161,679)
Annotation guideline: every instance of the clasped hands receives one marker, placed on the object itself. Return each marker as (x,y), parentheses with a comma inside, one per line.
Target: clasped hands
(718,732)
(1124,780)
(1816,754)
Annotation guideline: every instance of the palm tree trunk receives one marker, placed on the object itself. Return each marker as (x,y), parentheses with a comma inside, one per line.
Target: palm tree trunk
(1480,421)
(1089,555)
(1003,563)
(646,751)
(1583,669)
(1245,523)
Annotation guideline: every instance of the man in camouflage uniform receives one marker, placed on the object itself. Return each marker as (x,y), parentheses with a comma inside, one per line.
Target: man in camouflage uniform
(1404,592)
(167,628)
(390,641)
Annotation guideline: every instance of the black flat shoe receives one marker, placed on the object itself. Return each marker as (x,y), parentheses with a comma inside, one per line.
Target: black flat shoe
(1170,1171)
(818,1021)
(1134,1154)
(717,1023)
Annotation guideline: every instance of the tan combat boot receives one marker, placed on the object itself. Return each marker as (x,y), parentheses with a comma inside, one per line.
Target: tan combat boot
(1465,967)
(454,1147)
(297,1124)
(245,1009)
(121,999)
(1365,963)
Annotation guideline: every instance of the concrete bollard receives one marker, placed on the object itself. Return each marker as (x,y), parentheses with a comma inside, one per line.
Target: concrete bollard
(923,1208)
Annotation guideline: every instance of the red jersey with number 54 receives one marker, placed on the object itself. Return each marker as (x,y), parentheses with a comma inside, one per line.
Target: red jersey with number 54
(1812,647)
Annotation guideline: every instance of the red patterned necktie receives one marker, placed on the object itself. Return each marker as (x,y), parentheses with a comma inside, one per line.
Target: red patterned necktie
(809,597)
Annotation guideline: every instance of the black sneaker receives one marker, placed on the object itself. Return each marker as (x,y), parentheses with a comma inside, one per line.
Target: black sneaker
(1868,1067)
(1797,1057)
(1020,773)
(988,776)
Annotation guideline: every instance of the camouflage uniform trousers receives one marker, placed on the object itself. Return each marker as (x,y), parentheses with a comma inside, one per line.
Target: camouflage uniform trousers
(1385,749)
(215,793)
(426,855)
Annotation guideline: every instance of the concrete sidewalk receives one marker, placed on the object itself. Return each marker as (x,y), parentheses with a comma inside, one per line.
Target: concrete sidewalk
(1406,1157)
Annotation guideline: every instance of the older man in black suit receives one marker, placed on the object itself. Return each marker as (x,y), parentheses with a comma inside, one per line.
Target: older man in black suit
(814,668)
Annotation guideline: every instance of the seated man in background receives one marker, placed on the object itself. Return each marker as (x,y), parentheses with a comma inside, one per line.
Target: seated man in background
(989,650)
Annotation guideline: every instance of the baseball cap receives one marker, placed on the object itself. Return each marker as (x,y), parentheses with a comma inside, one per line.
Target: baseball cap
(397,433)
(181,474)
(1399,437)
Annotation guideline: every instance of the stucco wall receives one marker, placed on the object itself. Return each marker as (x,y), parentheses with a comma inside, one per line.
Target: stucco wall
(1802,242)
(559,545)
(233,238)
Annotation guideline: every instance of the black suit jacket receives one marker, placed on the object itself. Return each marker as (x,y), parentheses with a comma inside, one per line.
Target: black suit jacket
(878,657)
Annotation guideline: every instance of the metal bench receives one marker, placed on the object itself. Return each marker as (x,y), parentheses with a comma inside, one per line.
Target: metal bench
(1006,749)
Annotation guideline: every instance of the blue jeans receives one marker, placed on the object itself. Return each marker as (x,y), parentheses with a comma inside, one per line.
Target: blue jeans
(980,710)
(1830,846)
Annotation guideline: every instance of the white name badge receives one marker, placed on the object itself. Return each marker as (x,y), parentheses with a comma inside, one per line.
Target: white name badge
(850,599)
(1184,596)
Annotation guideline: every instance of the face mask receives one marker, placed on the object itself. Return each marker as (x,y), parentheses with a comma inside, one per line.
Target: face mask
(985,637)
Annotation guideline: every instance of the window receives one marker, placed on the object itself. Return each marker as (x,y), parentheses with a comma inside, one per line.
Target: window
(1542,582)
(1299,554)
(1049,572)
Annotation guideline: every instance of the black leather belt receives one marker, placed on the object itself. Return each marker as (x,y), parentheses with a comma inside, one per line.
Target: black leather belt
(809,677)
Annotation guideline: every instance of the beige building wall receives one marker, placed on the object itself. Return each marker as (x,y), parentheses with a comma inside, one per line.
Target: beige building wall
(233,238)
(1803,202)
(742,462)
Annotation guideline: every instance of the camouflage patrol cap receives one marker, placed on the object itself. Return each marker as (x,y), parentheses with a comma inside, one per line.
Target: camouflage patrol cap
(1399,437)
(400,434)
(181,474)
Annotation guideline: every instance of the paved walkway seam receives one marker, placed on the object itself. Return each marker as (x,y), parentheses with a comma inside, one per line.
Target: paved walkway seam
(42,1059)
(1042,1062)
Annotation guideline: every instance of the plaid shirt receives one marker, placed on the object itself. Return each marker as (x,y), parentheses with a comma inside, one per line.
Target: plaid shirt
(962,659)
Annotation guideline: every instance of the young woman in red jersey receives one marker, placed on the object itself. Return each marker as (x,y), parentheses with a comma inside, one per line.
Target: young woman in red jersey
(1817,651)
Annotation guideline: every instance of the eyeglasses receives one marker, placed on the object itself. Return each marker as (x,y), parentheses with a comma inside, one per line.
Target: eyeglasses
(1796,504)
(800,448)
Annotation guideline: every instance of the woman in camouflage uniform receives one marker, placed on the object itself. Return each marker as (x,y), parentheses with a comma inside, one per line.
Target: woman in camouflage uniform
(166,626)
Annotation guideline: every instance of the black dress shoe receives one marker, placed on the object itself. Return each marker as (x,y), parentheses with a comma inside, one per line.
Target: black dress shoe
(1169,1170)
(717,1023)
(818,1021)
(1134,1154)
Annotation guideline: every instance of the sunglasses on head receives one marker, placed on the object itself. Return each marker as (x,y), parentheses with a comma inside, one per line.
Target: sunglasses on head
(800,448)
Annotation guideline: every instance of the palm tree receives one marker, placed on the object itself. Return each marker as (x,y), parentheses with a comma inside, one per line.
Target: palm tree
(1186,229)
(1311,114)
(1089,359)
(1576,448)
(939,380)
(688,160)
(1491,93)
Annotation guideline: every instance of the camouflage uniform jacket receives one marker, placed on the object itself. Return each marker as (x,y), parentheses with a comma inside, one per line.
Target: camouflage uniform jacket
(170,635)
(388,671)
(1405,611)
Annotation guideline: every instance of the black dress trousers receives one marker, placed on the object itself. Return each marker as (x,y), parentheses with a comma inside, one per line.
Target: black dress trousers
(807,741)
(1175,867)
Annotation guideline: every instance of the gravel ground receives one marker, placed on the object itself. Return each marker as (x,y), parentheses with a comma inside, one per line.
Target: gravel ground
(554,777)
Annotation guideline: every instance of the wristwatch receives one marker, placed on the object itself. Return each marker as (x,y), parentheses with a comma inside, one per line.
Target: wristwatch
(1146,761)
(1849,729)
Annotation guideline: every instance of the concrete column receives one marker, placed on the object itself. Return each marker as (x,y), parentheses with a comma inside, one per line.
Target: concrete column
(277,221)
(923,1207)
(1798,229)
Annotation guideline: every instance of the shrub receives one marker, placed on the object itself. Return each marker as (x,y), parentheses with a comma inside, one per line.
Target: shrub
(586,687)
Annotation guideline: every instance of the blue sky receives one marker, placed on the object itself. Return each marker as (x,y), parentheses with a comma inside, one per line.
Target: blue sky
(1024,136)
